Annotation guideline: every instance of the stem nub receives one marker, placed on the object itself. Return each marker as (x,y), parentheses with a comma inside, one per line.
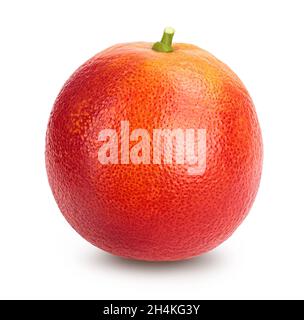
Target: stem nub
(165,45)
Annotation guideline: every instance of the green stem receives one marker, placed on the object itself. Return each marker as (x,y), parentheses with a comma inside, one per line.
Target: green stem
(165,45)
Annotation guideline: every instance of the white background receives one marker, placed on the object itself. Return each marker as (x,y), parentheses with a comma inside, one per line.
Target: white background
(42,43)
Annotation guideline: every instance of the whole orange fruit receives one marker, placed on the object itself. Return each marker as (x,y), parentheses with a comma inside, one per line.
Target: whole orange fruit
(105,175)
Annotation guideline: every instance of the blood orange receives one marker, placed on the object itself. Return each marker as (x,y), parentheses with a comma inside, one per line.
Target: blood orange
(143,210)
